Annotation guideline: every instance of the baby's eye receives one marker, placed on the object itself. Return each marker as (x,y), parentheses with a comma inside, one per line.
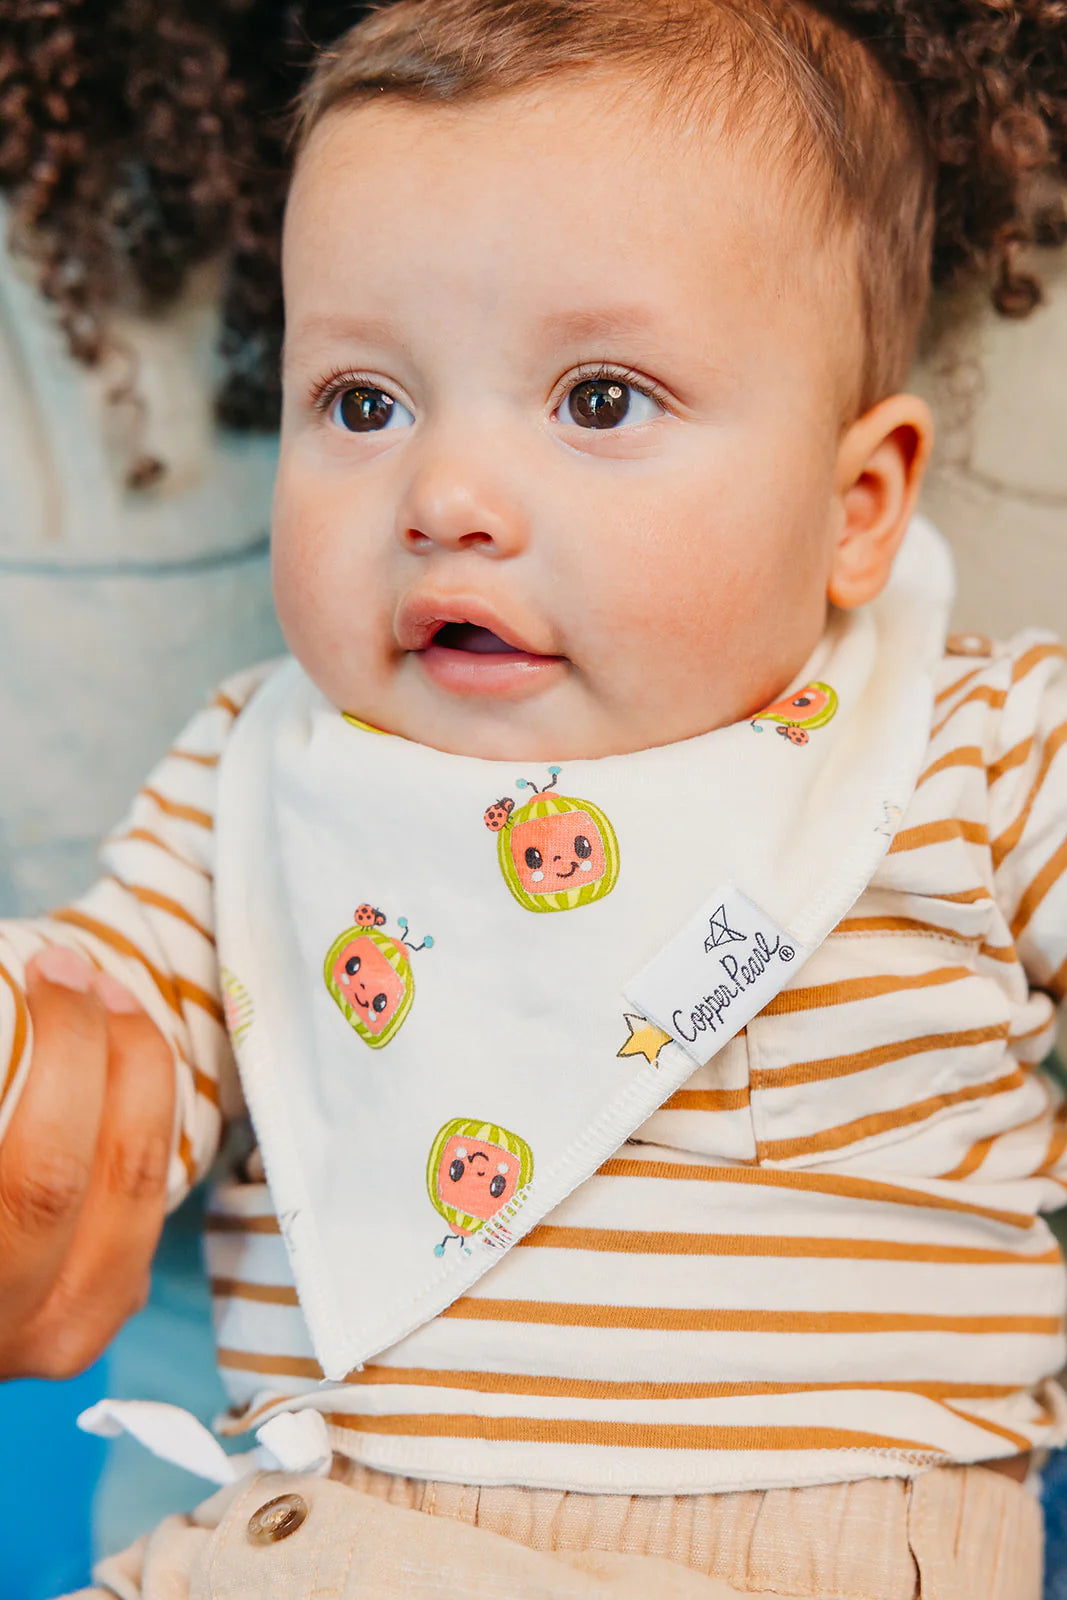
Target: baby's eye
(606,403)
(365,409)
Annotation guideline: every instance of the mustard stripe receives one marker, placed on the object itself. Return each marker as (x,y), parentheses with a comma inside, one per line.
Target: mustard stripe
(625,1435)
(1006,841)
(707,1100)
(903,925)
(946,693)
(162,902)
(656,1242)
(555,1388)
(215,1222)
(174,990)
(146,836)
(720,1319)
(175,808)
(939,832)
(1019,1440)
(205,1087)
(124,947)
(845,991)
(802,1072)
(812,1183)
(965,755)
(982,693)
(270,1294)
(972,1160)
(194,756)
(185,1155)
(1037,890)
(881,1121)
(20,1033)
(1015,757)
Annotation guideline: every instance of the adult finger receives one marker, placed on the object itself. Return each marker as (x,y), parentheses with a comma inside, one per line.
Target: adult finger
(48,1154)
(105,1276)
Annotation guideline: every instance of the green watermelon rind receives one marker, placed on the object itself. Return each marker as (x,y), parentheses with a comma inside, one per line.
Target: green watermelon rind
(547,805)
(399,962)
(483,1133)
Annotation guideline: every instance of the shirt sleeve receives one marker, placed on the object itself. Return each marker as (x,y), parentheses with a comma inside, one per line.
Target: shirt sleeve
(149,922)
(1027,775)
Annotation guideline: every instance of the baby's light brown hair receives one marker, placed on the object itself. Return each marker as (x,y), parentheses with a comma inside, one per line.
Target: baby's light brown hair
(815,87)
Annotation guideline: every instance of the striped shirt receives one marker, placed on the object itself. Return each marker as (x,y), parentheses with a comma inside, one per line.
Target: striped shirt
(821,1259)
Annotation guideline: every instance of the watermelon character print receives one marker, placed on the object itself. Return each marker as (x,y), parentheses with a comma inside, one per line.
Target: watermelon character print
(369,975)
(555,852)
(810,707)
(236,1005)
(474,1168)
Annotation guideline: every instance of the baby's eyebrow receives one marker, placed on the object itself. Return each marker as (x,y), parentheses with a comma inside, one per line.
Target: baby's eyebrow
(343,325)
(598,322)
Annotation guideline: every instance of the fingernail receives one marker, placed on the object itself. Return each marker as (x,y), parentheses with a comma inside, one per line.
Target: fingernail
(116,998)
(56,964)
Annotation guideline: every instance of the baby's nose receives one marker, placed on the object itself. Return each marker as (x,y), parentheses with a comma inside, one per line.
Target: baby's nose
(455,502)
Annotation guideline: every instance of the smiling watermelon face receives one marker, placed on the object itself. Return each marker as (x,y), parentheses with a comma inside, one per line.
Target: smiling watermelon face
(474,1169)
(558,853)
(370,978)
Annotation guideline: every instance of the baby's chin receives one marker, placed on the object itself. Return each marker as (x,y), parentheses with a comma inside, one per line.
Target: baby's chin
(562,721)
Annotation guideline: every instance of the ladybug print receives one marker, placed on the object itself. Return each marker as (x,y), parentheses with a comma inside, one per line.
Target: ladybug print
(369,917)
(497,814)
(810,707)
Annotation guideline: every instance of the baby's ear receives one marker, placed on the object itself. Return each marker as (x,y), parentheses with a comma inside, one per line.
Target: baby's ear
(880,465)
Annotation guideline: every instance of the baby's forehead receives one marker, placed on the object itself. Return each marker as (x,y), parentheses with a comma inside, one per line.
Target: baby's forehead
(599,195)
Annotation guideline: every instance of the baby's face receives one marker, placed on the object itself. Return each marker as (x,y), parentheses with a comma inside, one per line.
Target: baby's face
(563,398)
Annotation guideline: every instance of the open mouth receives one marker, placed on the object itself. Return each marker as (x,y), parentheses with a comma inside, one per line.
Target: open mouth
(462,651)
(473,640)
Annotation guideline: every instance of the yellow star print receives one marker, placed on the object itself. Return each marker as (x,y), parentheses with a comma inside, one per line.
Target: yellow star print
(645,1039)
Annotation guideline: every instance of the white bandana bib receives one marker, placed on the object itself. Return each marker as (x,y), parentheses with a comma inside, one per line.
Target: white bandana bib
(456,986)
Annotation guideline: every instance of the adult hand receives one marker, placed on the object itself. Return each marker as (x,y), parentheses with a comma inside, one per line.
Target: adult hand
(83,1170)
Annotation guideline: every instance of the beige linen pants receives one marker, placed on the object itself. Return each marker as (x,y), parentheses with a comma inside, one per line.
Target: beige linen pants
(955,1533)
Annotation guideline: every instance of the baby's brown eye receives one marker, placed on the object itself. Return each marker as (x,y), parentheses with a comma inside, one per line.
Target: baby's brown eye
(582,848)
(363,410)
(533,858)
(599,402)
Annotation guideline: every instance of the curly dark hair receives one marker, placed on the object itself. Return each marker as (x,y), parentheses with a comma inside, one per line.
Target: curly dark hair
(989,79)
(138,137)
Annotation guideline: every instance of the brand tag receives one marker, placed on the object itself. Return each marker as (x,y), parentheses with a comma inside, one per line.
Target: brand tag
(727,962)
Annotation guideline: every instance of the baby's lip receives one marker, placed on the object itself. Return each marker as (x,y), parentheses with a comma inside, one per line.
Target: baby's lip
(421,617)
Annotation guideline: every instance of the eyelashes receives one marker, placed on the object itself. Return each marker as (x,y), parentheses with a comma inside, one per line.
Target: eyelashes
(608,372)
(325,391)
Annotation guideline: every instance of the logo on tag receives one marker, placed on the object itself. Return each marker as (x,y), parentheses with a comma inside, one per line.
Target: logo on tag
(721,931)
(728,961)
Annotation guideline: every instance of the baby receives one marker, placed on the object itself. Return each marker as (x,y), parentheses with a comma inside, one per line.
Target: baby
(638,932)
